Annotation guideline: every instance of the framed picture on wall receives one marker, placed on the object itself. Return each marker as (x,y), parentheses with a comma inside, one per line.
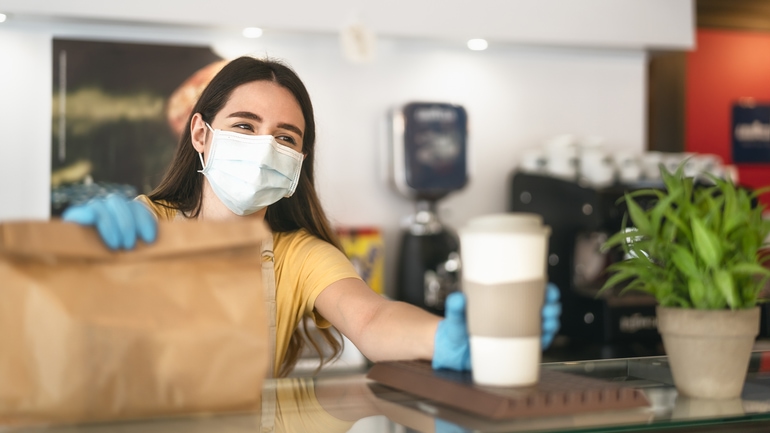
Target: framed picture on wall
(118,111)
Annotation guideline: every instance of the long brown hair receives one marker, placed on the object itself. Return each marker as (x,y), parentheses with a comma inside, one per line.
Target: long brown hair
(182,185)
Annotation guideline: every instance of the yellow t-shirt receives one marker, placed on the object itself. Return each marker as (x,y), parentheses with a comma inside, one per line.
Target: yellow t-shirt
(304,266)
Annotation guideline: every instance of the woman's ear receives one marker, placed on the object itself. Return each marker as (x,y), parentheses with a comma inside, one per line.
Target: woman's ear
(198,132)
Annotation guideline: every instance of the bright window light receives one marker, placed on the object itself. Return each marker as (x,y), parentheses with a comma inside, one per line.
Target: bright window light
(478,44)
(3,17)
(252,32)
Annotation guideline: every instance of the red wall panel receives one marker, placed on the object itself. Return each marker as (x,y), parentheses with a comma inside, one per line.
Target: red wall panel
(725,67)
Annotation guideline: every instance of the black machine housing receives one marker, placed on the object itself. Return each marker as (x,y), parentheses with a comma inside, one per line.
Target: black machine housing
(581,219)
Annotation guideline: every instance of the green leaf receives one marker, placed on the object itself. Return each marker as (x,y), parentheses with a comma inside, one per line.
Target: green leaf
(733,217)
(713,206)
(697,292)
(617,278)
(688,188)
(678,224)
(673,181)
(706,244)
(724,282)
(619,238)
(659,210)
(646,192)
(674,301)
(758,193)
(638,217)
(684,261)
(750,269)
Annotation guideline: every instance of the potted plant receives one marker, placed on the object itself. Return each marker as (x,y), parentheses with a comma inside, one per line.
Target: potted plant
(698,250)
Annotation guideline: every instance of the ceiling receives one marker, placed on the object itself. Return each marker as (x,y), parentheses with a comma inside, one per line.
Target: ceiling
(621,23)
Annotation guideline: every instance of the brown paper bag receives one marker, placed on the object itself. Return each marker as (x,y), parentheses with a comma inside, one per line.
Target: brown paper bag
(88,334)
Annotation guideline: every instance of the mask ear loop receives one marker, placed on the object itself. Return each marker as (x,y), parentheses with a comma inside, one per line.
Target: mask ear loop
(200,154)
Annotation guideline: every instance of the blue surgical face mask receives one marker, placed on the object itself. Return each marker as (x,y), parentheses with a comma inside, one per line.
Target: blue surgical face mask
(250,172)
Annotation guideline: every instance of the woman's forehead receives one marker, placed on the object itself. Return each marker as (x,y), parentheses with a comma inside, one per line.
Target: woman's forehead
(266,98)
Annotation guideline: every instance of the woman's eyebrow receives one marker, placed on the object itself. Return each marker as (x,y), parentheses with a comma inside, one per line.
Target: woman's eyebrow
(291,128)
(253,116)
(246,115)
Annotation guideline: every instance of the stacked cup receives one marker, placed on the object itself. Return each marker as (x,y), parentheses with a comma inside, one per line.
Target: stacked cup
(504,259)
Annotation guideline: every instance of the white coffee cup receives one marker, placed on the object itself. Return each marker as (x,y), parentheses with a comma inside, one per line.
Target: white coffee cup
(504,259)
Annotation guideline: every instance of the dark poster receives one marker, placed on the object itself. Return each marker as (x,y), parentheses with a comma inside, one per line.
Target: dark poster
(751,133)
(118,110)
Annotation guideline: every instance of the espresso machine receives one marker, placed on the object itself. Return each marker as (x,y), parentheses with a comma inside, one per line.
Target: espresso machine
(582,218)
(428,155)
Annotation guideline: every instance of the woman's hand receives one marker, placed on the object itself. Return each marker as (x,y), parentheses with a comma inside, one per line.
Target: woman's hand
(452,346)
(118,220)
(551,313)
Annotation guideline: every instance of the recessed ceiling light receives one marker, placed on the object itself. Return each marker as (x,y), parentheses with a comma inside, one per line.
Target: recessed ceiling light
(252,32)
(478,44)
(3,17)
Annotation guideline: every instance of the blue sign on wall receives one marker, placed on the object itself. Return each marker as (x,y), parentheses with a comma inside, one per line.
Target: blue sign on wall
(751,133)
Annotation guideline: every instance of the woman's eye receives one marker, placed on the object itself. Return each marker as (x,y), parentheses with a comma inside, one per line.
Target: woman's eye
(286,139)
(244,126)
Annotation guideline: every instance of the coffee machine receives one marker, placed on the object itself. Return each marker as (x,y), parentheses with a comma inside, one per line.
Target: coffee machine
(428,155)
(582,218)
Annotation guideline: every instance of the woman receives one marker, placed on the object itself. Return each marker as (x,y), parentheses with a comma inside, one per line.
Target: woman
(248,151)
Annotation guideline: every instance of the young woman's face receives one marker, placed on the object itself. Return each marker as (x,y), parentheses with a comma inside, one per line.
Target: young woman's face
(255,108)
(263,108)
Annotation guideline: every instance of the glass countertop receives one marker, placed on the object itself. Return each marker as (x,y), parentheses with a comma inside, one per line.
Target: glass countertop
(349,402)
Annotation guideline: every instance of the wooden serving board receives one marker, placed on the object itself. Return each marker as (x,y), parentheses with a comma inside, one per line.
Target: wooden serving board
(556,393)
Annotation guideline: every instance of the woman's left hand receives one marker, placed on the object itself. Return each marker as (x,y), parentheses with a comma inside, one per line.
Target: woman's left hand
(551,315)
(452,345)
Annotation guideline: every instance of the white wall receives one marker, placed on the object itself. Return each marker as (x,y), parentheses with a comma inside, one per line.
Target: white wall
(515,98)
(515,95)
(25,125)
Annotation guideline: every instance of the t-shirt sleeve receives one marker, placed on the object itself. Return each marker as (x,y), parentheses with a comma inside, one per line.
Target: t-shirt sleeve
(331,265)
(317,264)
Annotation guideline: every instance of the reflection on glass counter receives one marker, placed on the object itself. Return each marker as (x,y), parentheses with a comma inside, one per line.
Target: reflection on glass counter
(353,403)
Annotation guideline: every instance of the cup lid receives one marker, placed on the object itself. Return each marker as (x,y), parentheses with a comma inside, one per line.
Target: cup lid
(510,221)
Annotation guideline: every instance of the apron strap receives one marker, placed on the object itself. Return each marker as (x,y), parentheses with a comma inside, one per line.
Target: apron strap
(268,284)
(267,420)
(269,402)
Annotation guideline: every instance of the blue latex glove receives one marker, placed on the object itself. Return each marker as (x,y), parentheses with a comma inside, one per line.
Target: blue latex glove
(551,314)
(452,345)
(119,220)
